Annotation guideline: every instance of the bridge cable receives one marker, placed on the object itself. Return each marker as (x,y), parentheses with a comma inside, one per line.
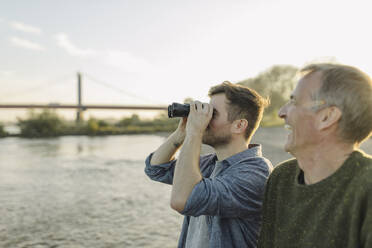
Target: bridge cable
(120,90)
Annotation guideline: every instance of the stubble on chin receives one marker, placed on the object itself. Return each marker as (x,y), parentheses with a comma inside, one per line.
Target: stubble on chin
(216,141)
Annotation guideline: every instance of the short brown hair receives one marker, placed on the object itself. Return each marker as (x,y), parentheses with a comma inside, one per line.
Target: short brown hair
(349,89)
(244,103)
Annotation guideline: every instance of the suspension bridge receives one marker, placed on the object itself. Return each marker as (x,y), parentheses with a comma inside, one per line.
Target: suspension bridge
(80,106)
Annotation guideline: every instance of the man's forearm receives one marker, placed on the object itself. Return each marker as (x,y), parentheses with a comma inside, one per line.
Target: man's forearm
(167,150)
(187,172)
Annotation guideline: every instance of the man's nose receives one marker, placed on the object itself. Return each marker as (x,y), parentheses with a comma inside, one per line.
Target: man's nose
(282,112)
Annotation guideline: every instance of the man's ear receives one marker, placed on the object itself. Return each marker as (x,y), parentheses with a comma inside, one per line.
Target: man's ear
(328,117)
(239,126)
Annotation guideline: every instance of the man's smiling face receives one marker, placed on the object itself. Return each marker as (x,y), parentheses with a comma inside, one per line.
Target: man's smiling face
(299,117)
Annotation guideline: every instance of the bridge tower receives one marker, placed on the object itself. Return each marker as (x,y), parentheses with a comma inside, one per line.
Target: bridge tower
(79,113)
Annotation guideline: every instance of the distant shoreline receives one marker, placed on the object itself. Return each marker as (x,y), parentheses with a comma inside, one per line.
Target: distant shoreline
(270,137)
(98,134)
(162,134)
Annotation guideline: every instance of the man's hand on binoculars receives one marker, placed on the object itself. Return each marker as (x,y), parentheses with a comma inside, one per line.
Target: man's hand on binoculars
(199,117)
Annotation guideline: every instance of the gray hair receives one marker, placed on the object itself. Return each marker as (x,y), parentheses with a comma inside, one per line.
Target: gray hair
(350,90)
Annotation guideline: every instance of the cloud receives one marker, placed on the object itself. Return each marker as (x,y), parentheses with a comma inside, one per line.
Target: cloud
(26,44)
(126,61)
(6,73)
(113,58)
(64,41)
(25,28)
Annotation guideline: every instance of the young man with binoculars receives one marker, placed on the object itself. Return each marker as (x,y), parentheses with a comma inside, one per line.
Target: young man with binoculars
(219,194)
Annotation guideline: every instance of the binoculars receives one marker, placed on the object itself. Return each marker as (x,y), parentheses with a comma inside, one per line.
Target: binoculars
(178,110)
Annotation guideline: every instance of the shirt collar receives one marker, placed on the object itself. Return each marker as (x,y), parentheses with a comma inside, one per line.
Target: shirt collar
(254,150)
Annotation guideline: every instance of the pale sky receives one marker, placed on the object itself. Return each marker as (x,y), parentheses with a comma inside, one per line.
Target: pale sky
(158,52)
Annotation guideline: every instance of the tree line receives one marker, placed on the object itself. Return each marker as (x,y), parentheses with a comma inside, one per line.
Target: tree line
(276,83)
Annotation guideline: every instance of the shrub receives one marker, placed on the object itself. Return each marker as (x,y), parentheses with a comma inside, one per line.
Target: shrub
(92,127)
(44,124)
(2,131)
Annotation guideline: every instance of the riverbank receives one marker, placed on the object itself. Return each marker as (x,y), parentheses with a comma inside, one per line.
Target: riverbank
(48,124)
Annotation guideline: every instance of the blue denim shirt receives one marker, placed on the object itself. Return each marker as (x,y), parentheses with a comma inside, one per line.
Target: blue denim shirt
(231,201)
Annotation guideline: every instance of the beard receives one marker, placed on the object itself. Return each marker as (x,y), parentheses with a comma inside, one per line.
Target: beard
(216,140)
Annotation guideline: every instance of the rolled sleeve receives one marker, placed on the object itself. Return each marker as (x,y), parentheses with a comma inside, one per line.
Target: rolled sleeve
(236,193)
(160,173)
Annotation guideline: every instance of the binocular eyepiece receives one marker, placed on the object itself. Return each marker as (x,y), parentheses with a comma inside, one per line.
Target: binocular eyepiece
(178,110)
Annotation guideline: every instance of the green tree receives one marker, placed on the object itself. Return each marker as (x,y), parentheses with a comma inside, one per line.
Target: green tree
(103,123)
(98,127)
(44,124)
(92,126)
(2,131)
(276,83)
(129,121)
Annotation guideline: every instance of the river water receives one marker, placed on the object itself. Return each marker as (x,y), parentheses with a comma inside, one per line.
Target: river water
(73,192)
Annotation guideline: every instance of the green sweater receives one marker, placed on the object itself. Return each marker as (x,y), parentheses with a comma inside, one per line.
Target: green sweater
(335,212)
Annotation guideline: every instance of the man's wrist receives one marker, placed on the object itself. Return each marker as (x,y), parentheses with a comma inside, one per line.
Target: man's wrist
(194,135)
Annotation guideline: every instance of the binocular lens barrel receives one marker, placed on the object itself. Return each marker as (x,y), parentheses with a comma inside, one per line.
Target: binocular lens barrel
(178,110)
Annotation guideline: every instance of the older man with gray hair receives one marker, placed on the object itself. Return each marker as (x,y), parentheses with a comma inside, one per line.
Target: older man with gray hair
(323,197)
